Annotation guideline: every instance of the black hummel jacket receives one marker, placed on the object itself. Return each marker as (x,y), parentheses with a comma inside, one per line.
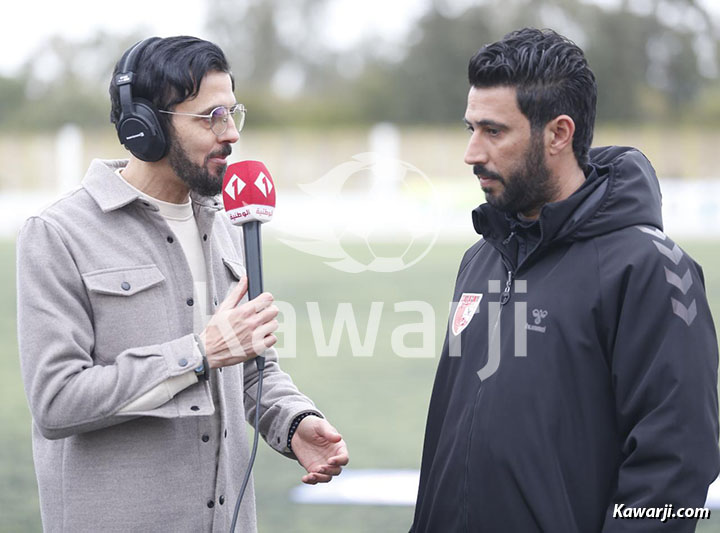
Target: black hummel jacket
(587,375)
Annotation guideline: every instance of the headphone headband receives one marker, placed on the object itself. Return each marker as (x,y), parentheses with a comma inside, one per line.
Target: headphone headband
(137,49)
(126,76)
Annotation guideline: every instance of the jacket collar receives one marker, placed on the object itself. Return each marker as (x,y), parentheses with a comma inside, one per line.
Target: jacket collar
(111,193)
(557,221)
(105,187)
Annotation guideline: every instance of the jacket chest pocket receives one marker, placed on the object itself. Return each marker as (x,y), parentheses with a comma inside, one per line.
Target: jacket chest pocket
(128,310)
(234,270)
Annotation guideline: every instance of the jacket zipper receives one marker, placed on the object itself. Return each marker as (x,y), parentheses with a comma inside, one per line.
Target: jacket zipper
(505,298)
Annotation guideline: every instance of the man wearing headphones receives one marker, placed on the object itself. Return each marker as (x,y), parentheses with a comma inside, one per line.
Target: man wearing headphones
(138,401)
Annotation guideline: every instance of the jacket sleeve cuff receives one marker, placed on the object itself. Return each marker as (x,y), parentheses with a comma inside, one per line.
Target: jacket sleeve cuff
(181,356)
(160,394)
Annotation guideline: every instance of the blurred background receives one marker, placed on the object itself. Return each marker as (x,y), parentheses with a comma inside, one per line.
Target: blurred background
(324,81)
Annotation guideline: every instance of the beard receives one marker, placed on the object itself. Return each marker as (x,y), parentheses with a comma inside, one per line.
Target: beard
(526,188)
(199,179)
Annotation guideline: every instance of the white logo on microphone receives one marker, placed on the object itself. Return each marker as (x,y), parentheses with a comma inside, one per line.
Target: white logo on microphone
(234,186)
(263,184)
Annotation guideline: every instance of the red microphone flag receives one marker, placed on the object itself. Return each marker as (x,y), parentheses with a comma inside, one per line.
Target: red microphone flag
(248,192)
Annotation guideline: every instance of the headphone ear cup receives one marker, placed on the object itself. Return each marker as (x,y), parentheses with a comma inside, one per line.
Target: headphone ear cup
(141,131)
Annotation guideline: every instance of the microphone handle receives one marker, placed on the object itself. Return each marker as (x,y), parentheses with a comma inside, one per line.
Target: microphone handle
(253,258)
(253,268)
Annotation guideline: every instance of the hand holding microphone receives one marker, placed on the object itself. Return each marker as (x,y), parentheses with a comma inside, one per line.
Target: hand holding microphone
(235,333)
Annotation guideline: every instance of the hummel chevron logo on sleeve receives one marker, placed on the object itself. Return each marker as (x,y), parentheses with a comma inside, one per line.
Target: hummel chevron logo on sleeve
(674,255)
(683,283)
(688,314)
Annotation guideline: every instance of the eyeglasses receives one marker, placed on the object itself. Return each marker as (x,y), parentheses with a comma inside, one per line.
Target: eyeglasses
(218,117)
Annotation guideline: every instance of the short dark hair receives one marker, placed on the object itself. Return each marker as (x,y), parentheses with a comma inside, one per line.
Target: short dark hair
(552,78)
(169,71)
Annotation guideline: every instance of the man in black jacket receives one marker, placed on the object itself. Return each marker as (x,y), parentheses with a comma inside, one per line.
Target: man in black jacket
(577,383)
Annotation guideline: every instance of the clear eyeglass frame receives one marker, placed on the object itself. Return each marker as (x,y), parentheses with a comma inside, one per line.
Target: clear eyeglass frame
(218,118)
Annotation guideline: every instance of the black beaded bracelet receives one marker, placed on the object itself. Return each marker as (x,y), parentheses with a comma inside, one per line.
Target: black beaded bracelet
(295,423)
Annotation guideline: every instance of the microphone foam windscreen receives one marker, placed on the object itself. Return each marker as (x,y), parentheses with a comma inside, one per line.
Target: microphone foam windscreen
(248,192)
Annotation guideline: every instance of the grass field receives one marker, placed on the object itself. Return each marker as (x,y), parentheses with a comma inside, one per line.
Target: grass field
(379,402)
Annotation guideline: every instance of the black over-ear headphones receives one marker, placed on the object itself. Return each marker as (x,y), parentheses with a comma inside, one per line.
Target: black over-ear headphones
(138,127)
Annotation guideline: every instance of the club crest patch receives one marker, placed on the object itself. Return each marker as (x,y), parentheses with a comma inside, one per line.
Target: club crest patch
(467,306)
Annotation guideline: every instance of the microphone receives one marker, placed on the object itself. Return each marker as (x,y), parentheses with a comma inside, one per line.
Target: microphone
(249,199)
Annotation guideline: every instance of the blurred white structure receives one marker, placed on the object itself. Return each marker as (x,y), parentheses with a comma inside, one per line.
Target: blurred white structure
(392,487)
(384,141)
(69,157)
(363,487)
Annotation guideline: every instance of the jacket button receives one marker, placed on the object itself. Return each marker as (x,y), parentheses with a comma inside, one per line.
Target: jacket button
(194,408)
(226,433)
(221,499)
(205,438)
(190,302)
(183,362)
(215,300)
(170,240)
(211,504)
(125,286)
(205,237)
